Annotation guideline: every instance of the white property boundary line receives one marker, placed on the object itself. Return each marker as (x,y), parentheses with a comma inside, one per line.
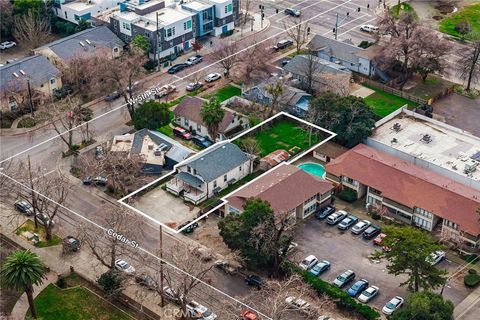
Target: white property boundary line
(200,154)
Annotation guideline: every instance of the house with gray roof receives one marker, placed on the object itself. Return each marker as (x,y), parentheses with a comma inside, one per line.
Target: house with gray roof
(99,40)
(341,53)
(37,71)
(302,68)
(209,172)
(160,152)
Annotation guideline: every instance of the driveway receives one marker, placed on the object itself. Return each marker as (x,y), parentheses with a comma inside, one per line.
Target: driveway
(460,112)
(347,251)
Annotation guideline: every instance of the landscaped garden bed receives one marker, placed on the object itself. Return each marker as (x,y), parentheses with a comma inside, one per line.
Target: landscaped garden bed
(27,229)
(469,14)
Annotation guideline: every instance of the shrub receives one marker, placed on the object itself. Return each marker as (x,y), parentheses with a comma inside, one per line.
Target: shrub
(151,115)
(376,216)
(61,283)
(111,283)
(348,195)
(472,271)
(471,280)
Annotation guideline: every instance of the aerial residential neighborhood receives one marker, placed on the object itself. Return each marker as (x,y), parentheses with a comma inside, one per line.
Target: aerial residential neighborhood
(240,159)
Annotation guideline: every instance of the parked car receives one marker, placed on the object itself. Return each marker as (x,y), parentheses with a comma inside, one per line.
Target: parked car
(357,288)
(145,280)
(324,212)
(177,68)
(225,266)
(344,278)
(248,315)
(320,268)
(24,207)
(336,217)
(297,303)
(308,262)
(44,219)
(347,222)
(70,244)
(87,180)
(198,311)
(165,91)
(285,61)
(188,229)
(7,45)
(368,28)
(99,154)
(325,318)
(112,96)
(360,226)
(368,294)
(202,142)
(182,133)
(282,44)
(253,280)
(392,305)
(212,77)
(100,181)
(435,257)
(171,295)
(292,12)
(371,232)
(194,60)
(193,86)
(284,251)
(133,86)
(379,239)
(123,266)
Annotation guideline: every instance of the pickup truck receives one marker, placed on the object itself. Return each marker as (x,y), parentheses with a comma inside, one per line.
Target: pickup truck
(197,311)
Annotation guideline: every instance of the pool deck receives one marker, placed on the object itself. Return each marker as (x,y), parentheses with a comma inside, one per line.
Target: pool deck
(307,159)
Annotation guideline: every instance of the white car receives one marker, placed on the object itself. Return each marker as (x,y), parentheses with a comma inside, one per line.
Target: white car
(368,28)
(123,265)
(7,45)
(308,262)
(292,246)
(325,318)
(194,60)
(360,226)
(198,311)
(165,90)
(392,305)
(368,294)
(435,257)
(212,77)
(297,303)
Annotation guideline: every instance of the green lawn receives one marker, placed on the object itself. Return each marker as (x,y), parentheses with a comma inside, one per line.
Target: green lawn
(225,93)
(29,225)
(384,103)
(284,135)
(469,13)
(74,304)
(404,8)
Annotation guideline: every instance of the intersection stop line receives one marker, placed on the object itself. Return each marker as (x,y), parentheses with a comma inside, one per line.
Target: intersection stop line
(124,105)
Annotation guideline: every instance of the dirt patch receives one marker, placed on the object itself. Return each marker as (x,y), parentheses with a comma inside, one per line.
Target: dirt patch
(445,7)
(208,235)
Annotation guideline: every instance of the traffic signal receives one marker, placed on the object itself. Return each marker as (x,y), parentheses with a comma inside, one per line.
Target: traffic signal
(348,14)
(368,5)
(263,15)
(358,9)
(276,10)
(333,30)
(308,31)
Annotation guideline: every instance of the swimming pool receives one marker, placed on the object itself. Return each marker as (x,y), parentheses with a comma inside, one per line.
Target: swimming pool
(313,168)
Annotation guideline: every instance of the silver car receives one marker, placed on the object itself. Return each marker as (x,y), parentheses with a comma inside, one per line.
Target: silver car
(368,294)
(360,226)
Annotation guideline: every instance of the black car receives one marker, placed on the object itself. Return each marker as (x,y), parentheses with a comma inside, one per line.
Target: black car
(292,12)
(371,232)
(282,44)
(285,62)
(177,68)
(112,96)
(87,181)
(253,280)
(202,142)
(324,212)
(188,229)
(145,280)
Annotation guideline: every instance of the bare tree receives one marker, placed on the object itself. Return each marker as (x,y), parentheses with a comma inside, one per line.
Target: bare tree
(338,83)
(82,74)
(470,60)
(298,31)
(311,70)
(275,90)
(251,146)
(226,55)
(255,62)
(32,29)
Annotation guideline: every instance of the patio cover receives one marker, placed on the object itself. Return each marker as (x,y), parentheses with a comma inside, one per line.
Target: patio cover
(189,179)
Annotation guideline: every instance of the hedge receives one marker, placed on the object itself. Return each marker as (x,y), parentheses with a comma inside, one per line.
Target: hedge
(342,299)
(348,195)
(471,280)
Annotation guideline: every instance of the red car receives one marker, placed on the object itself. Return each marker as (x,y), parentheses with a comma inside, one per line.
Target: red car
(248,315)
(379,239)
(182,133)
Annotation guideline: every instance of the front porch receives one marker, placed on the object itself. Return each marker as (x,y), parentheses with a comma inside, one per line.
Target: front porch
(187,187)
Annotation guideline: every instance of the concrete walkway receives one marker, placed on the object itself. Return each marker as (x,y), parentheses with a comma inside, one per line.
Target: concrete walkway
(21,307)
(469,308)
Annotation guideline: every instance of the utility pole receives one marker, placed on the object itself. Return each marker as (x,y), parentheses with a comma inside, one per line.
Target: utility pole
(157,54)
(30,99)
(336,26)
(162,301)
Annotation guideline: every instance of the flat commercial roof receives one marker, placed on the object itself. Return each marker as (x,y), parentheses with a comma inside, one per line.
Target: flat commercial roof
(195,5)
(167,16)
(449,147)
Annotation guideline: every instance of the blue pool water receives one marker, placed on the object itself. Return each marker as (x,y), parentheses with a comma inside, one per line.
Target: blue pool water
(313,168)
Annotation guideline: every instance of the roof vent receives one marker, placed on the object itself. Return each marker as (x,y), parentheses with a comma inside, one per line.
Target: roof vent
(427,138)
(15,74)
(397,127)
(22,72)
(394,140)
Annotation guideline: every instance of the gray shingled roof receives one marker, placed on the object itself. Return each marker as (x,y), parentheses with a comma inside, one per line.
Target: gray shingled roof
(37,69)
(176,152)
(338,49)
(300,65)
(99,38)
(217,161)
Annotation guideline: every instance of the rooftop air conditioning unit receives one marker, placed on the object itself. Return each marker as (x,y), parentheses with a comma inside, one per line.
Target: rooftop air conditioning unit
(150,146)
(397,126)
(470,166)
(427,138)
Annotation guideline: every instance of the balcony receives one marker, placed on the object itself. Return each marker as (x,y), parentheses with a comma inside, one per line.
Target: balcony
(195,196)
(175,186)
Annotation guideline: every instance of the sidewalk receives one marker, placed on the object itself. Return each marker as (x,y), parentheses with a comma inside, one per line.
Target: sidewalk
(470,306)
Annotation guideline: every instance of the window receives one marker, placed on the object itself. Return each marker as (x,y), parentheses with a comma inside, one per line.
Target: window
(225,178)
(194,171)
(173,30)
(205,15)
(147,34)
(66,16)
(168,32)
(214,184)
(226,9)
(52,81)
(240,168)
(126,26)
(230,7)
(186,121)
(199,128)
(76,17)
(422,223)
(187,25)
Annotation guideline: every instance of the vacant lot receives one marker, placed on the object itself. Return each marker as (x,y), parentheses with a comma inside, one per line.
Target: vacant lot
(225,93)
(75,304)
(384,103)
(470,14)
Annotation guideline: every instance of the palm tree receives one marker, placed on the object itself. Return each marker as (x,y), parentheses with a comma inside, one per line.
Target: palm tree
(21,271)
(212,115)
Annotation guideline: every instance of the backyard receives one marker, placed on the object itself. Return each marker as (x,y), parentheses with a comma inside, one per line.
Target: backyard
(224,93)
(470,14)
(384,103)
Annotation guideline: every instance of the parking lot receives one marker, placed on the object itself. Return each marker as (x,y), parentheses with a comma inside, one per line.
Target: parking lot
(347,251)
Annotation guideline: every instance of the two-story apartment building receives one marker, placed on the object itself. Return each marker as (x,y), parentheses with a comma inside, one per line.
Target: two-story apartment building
(275,187)
(187,115)
(36,71)
(410,194)
(209,172)
(76,10)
